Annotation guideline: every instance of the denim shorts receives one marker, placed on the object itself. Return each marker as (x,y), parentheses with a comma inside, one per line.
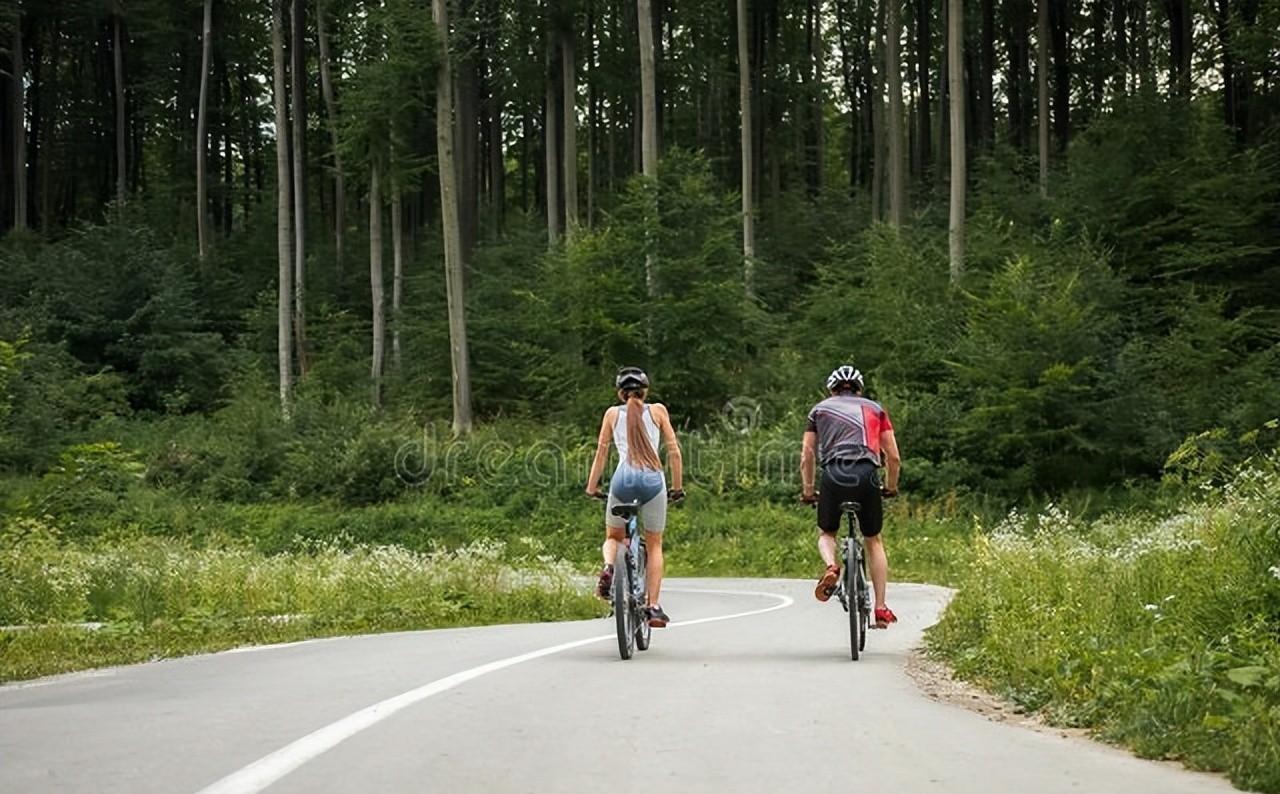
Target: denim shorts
(648,487)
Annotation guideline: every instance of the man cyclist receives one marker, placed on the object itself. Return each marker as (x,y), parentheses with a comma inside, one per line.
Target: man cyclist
(850,434)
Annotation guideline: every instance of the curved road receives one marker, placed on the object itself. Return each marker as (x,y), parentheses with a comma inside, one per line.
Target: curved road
(750,691)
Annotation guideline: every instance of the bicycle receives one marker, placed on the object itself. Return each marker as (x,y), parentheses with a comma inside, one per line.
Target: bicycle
(630,592)
(852,589)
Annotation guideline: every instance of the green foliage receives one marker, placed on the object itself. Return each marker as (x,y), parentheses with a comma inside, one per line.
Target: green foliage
(389,87)
(1031,367)
(1159,632)
(167,597)
(1165,184)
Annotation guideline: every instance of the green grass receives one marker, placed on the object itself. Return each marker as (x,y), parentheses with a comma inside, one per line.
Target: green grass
(161,597)
(1160,633)
(187,575)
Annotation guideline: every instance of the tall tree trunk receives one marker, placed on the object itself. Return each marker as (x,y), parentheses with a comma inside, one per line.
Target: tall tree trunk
(331,106)
(450,231)
(894,131)
(248,148)
(202,186)
(1119,27)
(298,54)
(466,134)
(924,50)
(843,22)
(496,157)
(569,72)
(1179,14)
(44,187)
(397,271)
(986,75)
(879,140)
(1042,84)
(1017,19)
(551,141)
(225,118)
(284,209)
(744,113)
(1060,38)
(1142,40)
(376,290)
(593,115)
(497,161)
(122,170)
(38,149)
(942,152)
(649,120)
(955,54)
(1103,63)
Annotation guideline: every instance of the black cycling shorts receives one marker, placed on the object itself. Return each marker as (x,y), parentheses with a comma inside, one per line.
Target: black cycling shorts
(845,481)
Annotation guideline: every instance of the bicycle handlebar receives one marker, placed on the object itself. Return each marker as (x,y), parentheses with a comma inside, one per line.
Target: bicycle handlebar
(885,493)
(675,497)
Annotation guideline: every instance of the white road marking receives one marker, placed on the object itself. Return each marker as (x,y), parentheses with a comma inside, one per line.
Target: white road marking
(267,770)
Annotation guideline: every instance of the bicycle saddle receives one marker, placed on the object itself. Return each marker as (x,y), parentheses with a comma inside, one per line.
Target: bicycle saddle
(850,507)
(626,509)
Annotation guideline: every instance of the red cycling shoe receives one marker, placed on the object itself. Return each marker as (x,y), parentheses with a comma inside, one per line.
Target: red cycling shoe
(827,584)
(884,616)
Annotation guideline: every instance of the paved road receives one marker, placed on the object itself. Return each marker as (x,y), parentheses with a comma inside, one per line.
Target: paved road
(764,702)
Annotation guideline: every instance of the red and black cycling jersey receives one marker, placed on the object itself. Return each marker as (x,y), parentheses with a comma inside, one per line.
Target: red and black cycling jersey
(849,428)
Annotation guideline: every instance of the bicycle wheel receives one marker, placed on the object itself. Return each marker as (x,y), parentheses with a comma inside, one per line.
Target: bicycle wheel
(857,615)
(643,630)
(864,605)
(622,608)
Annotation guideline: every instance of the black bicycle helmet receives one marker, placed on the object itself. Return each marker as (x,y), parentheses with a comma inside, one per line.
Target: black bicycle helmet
(845,375)
(631,378)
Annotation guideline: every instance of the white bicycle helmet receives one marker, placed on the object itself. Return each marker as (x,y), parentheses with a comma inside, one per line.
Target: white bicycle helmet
(844,375)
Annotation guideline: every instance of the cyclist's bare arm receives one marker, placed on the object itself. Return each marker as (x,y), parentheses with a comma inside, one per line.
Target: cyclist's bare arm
(602,450)
(674,458)
(892,460)
(808,463)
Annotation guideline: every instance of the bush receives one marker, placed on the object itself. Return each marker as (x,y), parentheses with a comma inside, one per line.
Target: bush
(1158,632)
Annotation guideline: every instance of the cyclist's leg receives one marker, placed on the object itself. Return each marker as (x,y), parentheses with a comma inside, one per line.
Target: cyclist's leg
(871,521)
(830,495)
(653,556)
(653,517)
(615,531)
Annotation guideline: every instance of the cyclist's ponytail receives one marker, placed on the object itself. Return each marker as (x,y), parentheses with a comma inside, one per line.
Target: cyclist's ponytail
(639,451)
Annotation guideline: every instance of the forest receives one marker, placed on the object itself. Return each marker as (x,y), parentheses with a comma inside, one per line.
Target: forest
(312,307)
(1047,232)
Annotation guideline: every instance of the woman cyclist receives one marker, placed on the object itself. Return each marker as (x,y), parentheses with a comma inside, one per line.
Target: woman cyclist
(634,427)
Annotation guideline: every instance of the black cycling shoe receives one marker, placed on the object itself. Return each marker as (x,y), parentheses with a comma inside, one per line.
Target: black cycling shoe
(605,584)
(657,618)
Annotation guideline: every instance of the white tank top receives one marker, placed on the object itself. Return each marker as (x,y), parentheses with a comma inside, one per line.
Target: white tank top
(620,433)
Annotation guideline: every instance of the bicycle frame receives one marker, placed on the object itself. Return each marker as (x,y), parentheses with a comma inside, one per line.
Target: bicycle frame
(630,596)
(858,603)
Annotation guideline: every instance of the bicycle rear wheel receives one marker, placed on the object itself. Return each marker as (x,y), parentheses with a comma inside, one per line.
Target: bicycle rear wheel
(643,631)
(864,602)
(857,616)
(622,608)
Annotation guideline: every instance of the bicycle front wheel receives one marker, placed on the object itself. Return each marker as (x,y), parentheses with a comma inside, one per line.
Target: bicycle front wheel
(622,609)
(857,615)
(643,630)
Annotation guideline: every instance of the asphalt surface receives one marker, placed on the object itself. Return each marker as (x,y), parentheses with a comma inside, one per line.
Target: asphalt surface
(764,702)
